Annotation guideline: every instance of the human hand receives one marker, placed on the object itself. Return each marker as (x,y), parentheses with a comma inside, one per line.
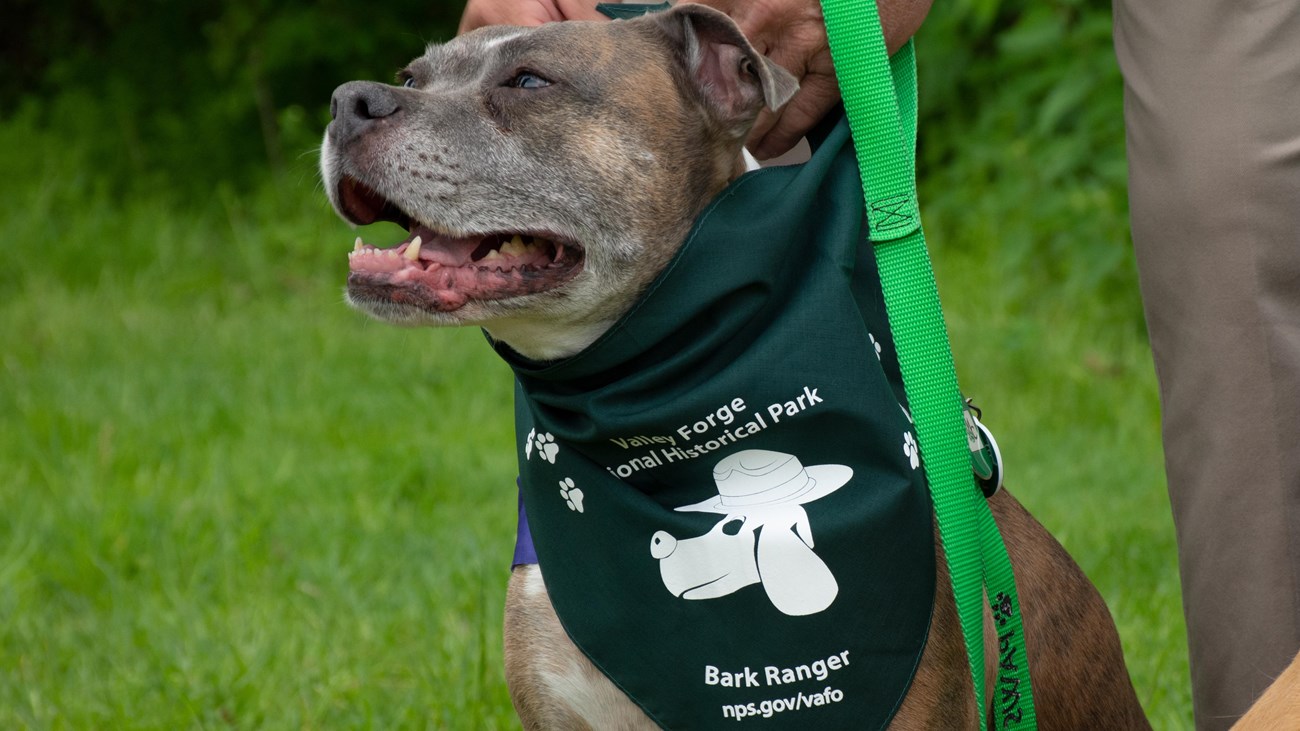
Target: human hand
(479,13)
(793,34)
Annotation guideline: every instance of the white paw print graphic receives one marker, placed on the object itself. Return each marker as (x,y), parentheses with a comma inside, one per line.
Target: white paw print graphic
(910,450)
(572,495)
(546,446)
(528,444)
(875,344)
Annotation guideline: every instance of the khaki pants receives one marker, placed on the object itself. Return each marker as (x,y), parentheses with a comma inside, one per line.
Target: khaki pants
(1212,107)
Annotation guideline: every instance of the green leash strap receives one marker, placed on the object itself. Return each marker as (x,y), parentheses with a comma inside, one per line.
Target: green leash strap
(880,99)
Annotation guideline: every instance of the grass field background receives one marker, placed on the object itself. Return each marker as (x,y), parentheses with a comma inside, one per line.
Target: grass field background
(230,502)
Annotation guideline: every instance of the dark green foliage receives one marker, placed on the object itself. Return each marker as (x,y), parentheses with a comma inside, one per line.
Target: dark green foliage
(1022,147)
(178,95)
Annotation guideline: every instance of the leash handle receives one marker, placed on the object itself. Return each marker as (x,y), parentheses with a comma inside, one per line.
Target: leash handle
(881,102)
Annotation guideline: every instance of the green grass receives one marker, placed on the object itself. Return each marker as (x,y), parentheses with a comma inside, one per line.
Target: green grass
(271,518)
(230,502)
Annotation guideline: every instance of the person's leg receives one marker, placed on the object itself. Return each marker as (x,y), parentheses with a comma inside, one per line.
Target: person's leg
(1212,107)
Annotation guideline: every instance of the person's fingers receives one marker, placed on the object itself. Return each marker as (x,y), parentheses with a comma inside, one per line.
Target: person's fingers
(579,10)
(900,20)
(817,94)
(800,49)
(767,119)
(479,13)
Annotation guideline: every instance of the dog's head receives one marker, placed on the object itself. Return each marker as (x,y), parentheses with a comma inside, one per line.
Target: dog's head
(548,173)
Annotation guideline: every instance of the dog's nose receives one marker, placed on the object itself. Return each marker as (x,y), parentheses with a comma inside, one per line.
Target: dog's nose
(662,545)
(358,105)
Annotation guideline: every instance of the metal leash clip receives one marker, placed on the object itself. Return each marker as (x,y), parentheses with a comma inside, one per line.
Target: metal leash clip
(985,457)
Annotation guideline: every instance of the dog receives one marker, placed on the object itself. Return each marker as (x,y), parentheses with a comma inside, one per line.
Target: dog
(546,177)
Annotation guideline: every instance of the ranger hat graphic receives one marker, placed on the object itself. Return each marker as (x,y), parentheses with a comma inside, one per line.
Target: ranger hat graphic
(757,478)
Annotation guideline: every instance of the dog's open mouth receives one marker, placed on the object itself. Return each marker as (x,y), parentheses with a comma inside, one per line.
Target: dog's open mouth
(441,273)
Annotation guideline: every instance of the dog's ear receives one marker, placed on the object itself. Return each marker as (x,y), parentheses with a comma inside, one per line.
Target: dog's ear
(734,80)
(796,580)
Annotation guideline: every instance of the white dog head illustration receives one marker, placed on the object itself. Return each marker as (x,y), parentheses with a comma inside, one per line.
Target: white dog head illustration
(764,535)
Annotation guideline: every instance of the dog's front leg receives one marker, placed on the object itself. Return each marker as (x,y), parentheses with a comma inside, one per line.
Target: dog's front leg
(552,684)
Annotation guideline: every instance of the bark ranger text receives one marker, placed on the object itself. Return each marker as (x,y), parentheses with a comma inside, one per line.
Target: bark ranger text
(773,675)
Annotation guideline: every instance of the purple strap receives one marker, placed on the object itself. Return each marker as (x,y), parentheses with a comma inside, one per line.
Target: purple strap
(524,551)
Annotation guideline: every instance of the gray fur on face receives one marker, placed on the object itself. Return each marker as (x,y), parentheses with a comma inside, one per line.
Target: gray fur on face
(632,127)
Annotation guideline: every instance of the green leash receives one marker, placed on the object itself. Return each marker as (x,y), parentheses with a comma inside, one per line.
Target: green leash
(880,98)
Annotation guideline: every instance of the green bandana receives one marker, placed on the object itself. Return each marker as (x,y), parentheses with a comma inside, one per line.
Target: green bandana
(724,492)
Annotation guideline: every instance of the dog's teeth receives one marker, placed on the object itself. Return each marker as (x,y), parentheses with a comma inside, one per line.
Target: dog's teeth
(493,254)
(514,247)
(357,246)
(413,249)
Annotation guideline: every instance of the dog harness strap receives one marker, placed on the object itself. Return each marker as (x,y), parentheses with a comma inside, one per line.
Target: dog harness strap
(880,99)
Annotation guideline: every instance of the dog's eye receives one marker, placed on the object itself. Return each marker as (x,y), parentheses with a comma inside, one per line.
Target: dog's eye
(527,80)
(409,82)
(732,527)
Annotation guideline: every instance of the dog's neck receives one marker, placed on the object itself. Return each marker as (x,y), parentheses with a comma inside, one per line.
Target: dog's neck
(546,343)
